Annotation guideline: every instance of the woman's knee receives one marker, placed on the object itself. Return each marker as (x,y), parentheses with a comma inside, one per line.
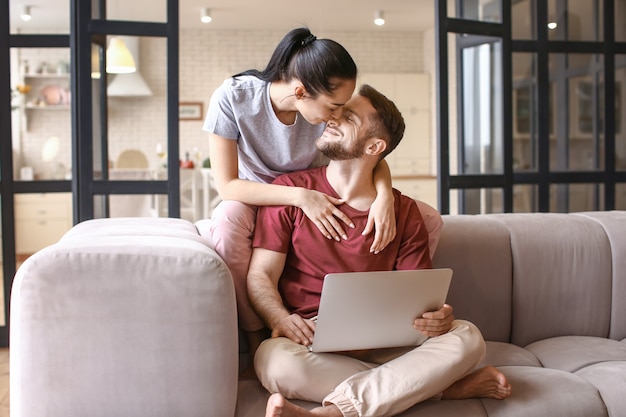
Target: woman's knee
(234,214)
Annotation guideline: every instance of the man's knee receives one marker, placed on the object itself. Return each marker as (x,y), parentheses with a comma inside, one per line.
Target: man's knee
(280,365)
(472,339)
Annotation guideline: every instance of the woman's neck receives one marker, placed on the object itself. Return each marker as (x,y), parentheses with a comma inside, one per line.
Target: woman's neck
(283,101)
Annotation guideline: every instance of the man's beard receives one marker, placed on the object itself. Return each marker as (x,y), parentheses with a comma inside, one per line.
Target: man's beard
(336,152)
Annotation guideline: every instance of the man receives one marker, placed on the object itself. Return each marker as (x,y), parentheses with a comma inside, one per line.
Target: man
(290,259)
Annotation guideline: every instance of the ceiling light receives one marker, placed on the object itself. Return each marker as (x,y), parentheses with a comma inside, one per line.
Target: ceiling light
(26,16)
(205,16)
(379,20)
(552,25)
(119,58)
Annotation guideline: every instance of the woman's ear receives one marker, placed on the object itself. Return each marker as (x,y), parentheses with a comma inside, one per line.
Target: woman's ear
(299,91)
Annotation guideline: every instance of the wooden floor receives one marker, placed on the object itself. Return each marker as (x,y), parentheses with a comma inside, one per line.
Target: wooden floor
(4,382)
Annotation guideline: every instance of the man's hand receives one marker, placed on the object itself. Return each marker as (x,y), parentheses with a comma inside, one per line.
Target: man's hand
(435,323)
(295,328)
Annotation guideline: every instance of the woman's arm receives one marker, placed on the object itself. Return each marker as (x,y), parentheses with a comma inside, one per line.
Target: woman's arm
(382,213)
(317,206)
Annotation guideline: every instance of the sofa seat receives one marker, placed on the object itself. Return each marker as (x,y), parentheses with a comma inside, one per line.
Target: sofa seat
(572,353)
(537,391)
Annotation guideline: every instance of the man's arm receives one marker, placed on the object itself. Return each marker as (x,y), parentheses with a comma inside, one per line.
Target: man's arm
(266,267)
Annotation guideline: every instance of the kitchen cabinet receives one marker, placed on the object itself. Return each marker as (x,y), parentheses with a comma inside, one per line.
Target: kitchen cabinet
(40,220)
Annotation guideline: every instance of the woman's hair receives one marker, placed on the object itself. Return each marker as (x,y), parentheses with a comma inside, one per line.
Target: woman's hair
(320,64)
(387,122)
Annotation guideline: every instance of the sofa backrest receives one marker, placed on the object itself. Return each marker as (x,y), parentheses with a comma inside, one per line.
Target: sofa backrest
(614,224)
(526,277)
(561,277)
(478,249)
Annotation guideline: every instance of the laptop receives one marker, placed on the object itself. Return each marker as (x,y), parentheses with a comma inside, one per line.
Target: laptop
(368,310)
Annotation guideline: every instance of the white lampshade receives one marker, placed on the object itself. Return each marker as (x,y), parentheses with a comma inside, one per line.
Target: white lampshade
(119,58)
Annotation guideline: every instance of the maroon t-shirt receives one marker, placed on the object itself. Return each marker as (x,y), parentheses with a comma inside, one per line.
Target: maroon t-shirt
(310,256)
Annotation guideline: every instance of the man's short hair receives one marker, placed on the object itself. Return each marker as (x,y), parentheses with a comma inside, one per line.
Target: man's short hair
(387,123)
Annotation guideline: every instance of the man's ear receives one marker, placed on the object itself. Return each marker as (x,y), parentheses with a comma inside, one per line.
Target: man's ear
(375,146)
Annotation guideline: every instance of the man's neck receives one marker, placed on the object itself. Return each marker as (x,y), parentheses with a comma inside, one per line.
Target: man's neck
(353,181)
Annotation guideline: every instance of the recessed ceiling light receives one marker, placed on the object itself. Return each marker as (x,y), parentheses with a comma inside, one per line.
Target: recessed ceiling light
(379,19)
(205,16)
(552,25)
(26,16)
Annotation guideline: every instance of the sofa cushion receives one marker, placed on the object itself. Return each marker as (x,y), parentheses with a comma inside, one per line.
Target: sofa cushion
(562,276)
(546,392)
(571,353)
(478,250)
(501,354)
(536,392)
(610,379)
(614,224)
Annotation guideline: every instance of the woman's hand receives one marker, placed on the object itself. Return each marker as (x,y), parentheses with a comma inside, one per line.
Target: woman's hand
(322,211)
(383,215)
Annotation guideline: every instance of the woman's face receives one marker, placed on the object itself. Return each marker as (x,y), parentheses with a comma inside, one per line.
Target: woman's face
(326,107)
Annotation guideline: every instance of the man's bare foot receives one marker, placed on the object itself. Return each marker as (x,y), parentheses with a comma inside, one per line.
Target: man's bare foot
(485,382)
(277,406)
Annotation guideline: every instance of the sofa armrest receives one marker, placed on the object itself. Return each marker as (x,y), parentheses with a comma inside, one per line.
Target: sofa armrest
(124,317)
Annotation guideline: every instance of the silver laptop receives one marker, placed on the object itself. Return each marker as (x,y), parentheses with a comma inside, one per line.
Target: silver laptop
(367,310)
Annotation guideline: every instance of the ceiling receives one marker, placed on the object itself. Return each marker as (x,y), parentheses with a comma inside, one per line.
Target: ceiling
(319,15)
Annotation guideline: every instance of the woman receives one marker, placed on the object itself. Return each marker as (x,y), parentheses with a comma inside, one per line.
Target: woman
(265,123)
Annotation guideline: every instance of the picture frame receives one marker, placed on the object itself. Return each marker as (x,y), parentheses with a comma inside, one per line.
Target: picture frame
(190,110)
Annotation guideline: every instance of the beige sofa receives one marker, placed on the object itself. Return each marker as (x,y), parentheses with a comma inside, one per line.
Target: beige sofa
(136,317)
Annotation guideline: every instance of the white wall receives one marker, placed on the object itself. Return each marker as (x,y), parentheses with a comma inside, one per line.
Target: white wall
(206,59)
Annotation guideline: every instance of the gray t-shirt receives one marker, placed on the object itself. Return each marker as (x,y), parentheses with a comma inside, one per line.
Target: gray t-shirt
(240,109)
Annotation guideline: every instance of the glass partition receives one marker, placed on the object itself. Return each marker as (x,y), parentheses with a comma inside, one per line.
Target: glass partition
(576,197)
(482,10)
(481,110)
(523,28)
(41,121)
(39,16)
(579,95)
(579,20)
(137,11)
(620,112)
(137,112)
(481,200)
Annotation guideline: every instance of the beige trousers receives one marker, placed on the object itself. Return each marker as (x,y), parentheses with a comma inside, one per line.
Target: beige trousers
(381,382)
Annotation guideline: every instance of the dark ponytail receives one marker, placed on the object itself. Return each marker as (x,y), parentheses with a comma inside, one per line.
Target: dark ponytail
(320,64)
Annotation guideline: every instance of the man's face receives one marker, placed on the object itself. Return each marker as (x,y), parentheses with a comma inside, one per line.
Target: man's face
(344,137)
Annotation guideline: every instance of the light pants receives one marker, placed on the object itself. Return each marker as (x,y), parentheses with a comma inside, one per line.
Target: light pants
(385,383)
(229,232)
